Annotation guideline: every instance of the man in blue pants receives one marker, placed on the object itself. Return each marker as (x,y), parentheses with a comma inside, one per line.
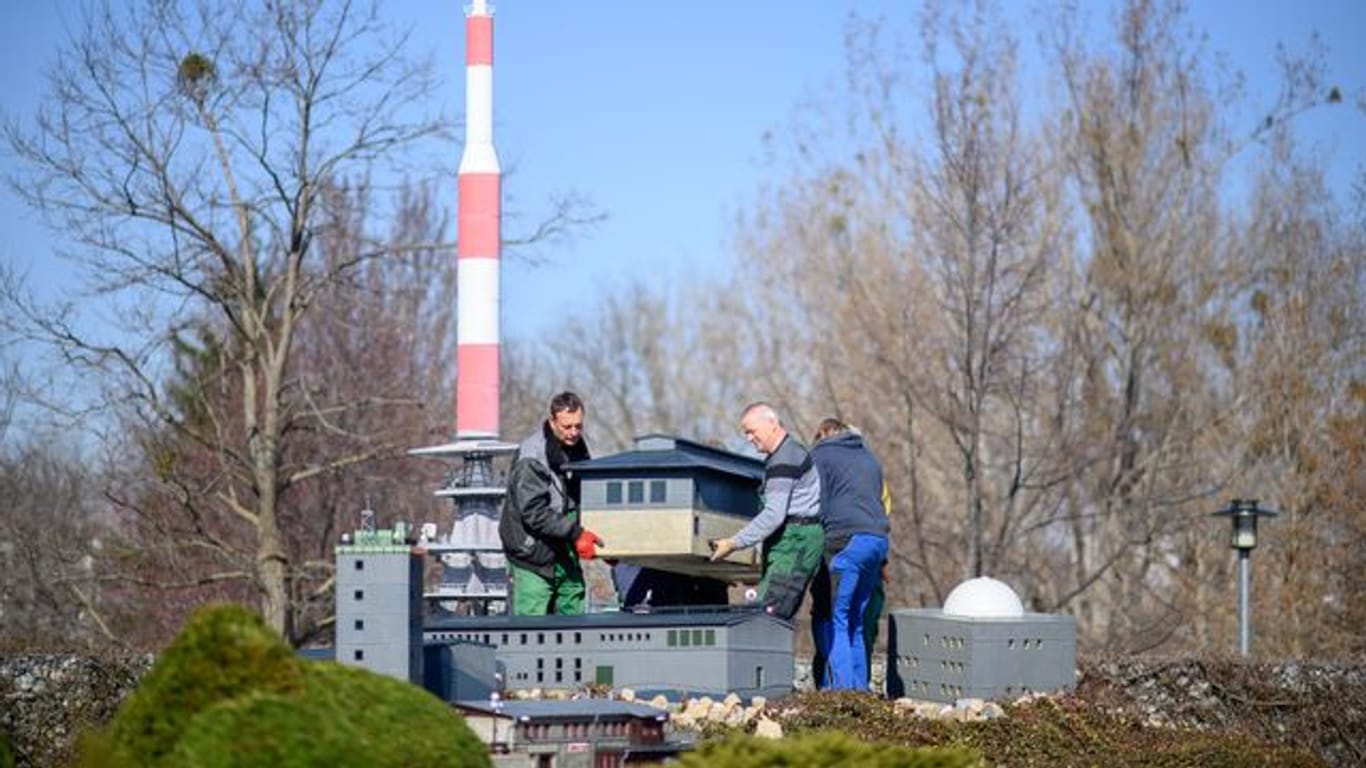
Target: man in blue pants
(856,528)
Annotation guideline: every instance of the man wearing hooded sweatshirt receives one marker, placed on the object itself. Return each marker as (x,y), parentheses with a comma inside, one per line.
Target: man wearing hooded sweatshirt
(855,524)
(540,527)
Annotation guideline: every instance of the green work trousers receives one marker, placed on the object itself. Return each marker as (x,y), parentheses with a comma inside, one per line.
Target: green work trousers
(535,595)
(792,555)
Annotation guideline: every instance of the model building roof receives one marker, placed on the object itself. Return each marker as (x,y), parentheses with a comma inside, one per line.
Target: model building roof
(670,617)
(657,451)
(574,709)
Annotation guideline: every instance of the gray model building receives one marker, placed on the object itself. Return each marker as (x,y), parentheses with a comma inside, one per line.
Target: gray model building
(658,505)
(677,652)
(980,645)
(379,601)
(381,627)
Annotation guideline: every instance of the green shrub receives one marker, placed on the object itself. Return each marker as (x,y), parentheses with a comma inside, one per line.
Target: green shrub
(229,692)
(347,717)
(6,751)
(223,652)
(819,750)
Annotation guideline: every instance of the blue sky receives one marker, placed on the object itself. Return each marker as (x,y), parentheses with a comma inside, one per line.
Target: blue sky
(655,111)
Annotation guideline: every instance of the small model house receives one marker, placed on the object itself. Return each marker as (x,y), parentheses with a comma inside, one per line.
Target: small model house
(659,504)
(588,732)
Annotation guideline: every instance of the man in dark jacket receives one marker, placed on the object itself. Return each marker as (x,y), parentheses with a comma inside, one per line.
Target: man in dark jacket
(540,527)
(855,524)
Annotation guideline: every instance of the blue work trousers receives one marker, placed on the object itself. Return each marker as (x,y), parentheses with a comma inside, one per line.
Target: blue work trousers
(854,574)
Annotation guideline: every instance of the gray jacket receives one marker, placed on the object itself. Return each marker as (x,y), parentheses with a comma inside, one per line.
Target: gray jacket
(792,488)
(540,518)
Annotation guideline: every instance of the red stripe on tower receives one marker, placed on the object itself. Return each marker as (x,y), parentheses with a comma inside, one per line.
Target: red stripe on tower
(480,238)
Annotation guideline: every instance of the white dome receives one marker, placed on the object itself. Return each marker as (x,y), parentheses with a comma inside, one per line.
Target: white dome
(983,598)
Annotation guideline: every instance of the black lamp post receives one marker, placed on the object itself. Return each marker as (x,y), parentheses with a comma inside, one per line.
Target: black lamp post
(1244,514)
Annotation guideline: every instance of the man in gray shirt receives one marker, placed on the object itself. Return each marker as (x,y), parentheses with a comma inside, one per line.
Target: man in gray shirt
(789,524)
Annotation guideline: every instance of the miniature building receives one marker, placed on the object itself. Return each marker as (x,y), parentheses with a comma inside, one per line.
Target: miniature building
(675,652)
(460,670)
(659,504)
(379,603)
(601,733)
(981,645)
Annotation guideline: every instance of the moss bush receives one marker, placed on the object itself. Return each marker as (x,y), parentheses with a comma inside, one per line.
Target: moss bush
(1045,732)
(223,652)
(229,692)
(820,749)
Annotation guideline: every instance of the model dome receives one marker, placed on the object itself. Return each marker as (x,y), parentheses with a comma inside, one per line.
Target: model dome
(983,598)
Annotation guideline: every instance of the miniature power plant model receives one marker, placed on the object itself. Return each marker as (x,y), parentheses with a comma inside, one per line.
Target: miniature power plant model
(981,644)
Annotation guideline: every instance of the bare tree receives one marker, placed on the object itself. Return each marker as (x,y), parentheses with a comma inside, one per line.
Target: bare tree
(1298,440)
(196,160)
(910,278)
(1029,316)
(651,361)
(50,537)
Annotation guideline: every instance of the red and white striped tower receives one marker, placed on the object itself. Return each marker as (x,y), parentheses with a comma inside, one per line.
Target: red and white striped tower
(475,575)
(480,237)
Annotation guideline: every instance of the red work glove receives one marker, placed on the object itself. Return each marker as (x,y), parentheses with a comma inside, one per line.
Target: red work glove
(587,545)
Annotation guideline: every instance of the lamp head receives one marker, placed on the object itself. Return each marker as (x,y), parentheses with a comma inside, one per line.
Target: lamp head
(1244,514)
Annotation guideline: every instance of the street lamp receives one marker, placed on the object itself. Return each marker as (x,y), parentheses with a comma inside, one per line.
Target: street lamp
(1244,514)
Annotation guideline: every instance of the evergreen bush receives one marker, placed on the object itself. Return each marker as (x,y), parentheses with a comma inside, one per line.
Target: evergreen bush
(229,692)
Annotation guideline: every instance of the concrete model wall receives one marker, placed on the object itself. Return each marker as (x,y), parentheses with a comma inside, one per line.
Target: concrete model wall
(707,652)
(944,658)
(379,609)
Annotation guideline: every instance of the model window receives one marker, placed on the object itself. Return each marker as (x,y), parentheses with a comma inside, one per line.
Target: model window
(657,488)
(578,638)
(603,676)
(360,594)
(360,565)
(697,637)
(360,624)
(523,638)
(540,638)
(559,663)
(359,655)
(505,639)
(614,492)
(673,638)
(711,637)
(684,638)
(559,676)
(559,638)
(635,492)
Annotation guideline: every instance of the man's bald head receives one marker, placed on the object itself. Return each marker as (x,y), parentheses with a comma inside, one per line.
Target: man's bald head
(761,427)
